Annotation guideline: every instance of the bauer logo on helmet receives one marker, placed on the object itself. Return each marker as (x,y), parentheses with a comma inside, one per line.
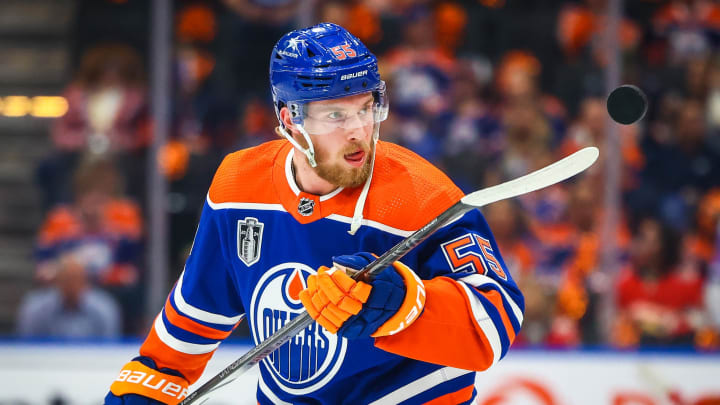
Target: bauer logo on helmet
(354,75)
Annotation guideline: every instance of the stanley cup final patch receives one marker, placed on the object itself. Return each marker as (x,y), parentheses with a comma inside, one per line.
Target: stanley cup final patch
(306,207)
(249,240)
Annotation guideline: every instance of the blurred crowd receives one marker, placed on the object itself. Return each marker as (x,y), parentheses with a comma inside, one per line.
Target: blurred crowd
(466,94)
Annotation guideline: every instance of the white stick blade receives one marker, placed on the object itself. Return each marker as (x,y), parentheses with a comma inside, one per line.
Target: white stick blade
(547,176)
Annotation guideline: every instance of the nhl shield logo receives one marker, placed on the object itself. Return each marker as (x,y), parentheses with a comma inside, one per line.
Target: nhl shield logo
(249,240)
(306,207)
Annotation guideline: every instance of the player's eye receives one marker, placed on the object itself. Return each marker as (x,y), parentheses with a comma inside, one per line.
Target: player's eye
(336,115)
(366,113)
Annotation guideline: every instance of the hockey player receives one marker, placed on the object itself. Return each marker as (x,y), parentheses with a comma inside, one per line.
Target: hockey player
(331,194)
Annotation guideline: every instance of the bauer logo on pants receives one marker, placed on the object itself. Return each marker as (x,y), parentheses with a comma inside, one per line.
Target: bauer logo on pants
(249,240)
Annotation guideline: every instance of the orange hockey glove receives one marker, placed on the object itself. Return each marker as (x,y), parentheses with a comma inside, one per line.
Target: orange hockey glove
(331,297)
(354,309)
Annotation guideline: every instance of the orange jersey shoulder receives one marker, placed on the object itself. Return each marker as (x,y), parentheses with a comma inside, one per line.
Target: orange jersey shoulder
(246,175)
(407,191)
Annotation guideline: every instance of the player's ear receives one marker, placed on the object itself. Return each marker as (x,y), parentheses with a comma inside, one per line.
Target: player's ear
(286,119)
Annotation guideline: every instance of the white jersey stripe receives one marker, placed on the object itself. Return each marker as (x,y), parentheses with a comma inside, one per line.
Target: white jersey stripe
(383,227)
(485,323)
(245,206)
(198,313)
(289,174)
(179,345)
(268,393)
(421,385)
(477,280)
(332,217)
(372,224)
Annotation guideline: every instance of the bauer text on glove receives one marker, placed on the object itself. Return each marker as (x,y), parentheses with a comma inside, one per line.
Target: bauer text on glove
(141,383)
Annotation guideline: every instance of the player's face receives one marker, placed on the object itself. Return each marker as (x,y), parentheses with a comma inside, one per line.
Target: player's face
(341,131)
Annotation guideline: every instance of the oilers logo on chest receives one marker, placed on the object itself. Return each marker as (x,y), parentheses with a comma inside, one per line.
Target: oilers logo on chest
(310,359)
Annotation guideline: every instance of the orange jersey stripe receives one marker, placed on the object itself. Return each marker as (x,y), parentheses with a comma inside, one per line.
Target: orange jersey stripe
(189,365)
(496,299)
(454,398)
(192,326)
(464,344)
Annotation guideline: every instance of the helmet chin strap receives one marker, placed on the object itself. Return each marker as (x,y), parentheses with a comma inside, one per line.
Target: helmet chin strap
(309,152)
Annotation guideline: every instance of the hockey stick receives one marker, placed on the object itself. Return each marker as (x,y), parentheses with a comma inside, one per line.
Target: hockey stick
(547,176)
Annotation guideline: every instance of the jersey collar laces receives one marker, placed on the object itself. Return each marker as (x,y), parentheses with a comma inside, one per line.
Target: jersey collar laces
(360,203)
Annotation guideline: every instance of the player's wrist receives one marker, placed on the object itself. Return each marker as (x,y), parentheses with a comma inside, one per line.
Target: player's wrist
(142,377)
(412,305)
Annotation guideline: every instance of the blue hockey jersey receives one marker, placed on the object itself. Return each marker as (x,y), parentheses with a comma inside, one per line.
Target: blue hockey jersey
(260,237)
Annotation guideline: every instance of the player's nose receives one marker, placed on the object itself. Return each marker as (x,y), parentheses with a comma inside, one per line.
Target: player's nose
(355,133)
(356,129)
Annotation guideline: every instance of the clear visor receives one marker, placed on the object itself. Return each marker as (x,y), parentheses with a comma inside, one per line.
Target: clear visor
(328,117)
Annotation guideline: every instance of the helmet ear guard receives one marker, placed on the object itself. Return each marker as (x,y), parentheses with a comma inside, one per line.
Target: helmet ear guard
(381,98)
(283,131)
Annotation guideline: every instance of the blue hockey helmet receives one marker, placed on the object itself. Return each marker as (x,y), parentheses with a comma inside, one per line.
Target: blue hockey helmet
(323,62)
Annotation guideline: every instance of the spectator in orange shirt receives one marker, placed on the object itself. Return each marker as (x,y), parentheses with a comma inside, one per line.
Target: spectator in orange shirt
(689,27)
(102,228)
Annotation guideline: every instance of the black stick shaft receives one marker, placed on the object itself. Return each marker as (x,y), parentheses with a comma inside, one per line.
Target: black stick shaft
(302,321)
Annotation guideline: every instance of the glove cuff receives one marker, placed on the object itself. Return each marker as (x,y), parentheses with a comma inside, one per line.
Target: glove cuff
(411,307)
(137,378)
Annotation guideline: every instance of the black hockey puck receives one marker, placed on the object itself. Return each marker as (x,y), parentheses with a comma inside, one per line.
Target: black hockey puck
(627,104)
